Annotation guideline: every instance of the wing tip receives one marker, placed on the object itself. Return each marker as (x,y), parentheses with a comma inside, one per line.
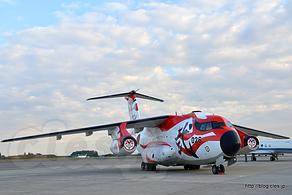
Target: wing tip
(7,140)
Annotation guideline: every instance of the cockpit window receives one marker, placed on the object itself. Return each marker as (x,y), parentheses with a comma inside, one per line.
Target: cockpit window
(209,125)
(228,123)
(203,127)
(218,125)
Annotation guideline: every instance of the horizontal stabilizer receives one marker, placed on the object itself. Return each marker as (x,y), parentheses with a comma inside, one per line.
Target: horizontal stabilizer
(255,132)
(138,95)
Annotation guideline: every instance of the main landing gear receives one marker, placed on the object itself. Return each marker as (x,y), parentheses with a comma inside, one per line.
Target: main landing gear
(148,167)
(218,170)
(191,167)
(273,158)
(253,157)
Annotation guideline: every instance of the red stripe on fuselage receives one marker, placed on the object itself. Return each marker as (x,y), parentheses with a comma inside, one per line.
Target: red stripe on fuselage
(149,160)
(156,143)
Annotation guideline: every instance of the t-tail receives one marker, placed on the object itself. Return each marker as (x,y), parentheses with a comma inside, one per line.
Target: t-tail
(124,142)
(132,102)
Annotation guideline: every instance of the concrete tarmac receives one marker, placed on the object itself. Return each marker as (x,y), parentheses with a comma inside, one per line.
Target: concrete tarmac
(123,176)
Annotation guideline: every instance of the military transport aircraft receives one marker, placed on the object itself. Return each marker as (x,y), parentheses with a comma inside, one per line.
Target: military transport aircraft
(188,140)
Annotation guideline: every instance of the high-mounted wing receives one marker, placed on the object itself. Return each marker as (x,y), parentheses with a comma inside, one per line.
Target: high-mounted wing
(255,132)
(148,122)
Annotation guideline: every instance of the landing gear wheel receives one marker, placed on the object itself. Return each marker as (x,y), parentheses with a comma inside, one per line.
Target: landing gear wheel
(142,166)
(221,169)
(193,167)
(186,167)
(215,169)
(147,167)
(272,158)
(253,158)
(150,167)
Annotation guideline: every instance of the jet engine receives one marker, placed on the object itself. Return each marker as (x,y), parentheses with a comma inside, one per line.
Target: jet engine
(251,143)
(123,143)
(123,147)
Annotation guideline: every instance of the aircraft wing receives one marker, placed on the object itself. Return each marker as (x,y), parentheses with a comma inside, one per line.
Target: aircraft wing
(140,123)
(255,132)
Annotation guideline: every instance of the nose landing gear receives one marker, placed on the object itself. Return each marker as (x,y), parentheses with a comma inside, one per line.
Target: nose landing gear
(218,169)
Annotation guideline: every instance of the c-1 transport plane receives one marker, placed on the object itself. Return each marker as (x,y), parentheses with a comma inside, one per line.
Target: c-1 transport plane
(188,140)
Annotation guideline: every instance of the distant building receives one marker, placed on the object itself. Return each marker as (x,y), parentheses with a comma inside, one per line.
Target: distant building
(84,154)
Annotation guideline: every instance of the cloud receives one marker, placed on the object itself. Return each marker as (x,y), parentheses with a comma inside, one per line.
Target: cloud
(231,59)
(113,6)
(12,2)
(73,5)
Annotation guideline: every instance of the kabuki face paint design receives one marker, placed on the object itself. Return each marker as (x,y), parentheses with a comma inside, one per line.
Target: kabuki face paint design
(187,141)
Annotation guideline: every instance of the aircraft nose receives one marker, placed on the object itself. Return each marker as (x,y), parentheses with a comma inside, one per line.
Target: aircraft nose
(230,143)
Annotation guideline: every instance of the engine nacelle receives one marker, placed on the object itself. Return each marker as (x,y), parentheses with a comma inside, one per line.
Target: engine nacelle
(125,147)
(251,143)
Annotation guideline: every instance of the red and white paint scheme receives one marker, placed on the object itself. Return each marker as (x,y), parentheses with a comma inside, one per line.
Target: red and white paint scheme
(188,140)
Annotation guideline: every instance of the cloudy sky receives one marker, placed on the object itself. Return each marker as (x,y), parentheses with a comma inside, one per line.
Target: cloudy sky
(225,58)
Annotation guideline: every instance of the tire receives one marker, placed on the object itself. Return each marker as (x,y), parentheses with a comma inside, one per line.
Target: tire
(153,167)
(150,167)
(253,158)
(147,167)
(215,169)
(186,167)
(194,167)
(221,169)
(272,158)
(142,166)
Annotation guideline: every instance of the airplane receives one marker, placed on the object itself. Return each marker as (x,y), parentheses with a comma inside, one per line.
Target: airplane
(188,140)
(273,148)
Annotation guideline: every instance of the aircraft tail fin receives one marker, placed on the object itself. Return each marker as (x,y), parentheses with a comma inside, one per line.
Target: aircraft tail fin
(131,99)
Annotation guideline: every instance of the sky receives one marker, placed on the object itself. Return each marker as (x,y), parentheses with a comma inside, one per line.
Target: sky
(227,58)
